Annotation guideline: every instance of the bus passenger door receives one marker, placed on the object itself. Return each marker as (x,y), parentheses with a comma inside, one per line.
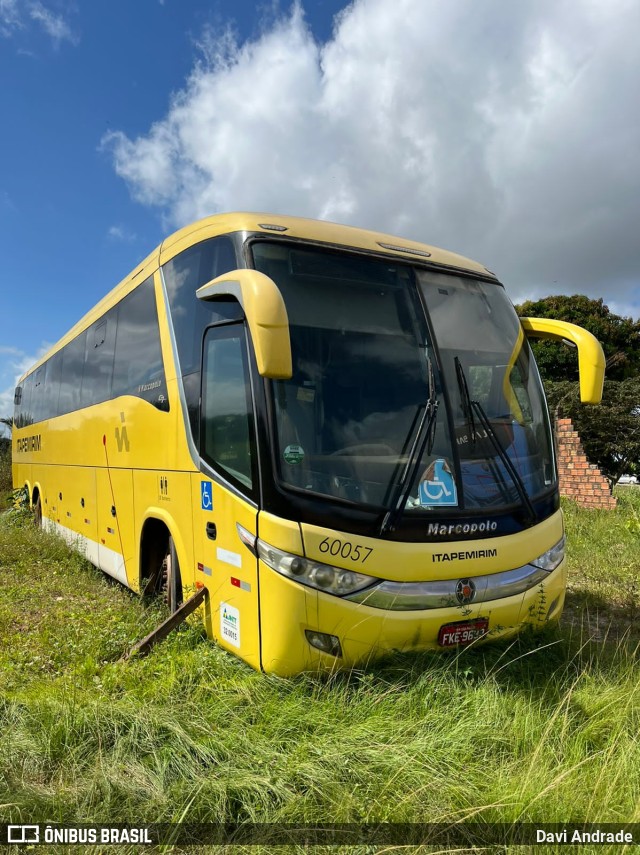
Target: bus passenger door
(224,564)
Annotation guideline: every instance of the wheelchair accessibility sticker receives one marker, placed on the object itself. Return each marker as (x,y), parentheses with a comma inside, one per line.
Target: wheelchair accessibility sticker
(438,488)
(206,495)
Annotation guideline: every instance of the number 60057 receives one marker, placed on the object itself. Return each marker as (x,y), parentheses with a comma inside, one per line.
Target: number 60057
(345,549)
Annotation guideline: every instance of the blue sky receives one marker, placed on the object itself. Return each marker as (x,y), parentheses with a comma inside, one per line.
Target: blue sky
(509,132)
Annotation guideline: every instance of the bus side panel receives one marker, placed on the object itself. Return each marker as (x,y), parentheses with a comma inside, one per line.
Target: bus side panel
(226,567)
(21,474)
(62,490)
(18,471)
(42,479)
(164,495)
(286,607)
(25,462)
(76,511)
(116,547)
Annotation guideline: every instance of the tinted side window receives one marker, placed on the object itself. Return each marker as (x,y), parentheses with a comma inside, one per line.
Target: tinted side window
(138,368)
(52,386)
(227,426)
(22,411)
(37,394)
(183,275)
(72,371)
(98,363)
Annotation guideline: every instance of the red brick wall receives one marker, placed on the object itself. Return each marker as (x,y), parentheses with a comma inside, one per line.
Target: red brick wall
(579,480)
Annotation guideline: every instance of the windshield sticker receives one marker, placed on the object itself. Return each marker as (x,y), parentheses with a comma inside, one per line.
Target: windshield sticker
(438,487)
(305,394)
(294,454)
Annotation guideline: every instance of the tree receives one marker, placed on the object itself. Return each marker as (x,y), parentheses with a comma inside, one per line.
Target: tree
(8,422)
(610,432)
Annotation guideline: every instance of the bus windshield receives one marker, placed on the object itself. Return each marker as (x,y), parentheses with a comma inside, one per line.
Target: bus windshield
(495,392)
(365,366)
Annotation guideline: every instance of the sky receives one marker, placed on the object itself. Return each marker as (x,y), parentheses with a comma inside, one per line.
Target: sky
(508,132)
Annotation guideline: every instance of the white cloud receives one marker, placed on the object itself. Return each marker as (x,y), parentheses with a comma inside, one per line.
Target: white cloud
(506,131)
(54,25)
(9,17)
(121,233)
(13,363)
(17,14)
(7,205)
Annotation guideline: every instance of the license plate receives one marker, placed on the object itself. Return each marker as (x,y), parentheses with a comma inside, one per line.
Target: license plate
(462,632)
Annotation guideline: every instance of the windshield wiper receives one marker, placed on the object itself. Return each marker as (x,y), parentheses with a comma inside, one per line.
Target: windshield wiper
(424,439)
(469,407)
(465,398)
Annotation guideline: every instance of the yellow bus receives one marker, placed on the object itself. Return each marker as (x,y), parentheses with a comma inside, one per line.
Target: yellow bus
(340,434)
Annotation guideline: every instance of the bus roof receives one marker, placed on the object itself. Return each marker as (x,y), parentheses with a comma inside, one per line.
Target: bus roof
(319,231)
(314,230)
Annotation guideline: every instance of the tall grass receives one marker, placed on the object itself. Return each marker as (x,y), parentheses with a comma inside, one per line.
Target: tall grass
(5,472)
(604,562)
(543,729)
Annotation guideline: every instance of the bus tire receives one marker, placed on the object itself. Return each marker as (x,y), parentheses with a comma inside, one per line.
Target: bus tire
(171,580)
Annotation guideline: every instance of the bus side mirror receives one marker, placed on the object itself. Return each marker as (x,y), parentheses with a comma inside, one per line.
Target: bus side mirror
(591,361)
(266,315)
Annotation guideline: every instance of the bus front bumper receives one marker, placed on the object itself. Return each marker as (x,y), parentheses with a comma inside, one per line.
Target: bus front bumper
(366,633)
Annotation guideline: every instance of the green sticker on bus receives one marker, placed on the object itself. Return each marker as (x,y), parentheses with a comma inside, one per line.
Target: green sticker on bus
(294,454)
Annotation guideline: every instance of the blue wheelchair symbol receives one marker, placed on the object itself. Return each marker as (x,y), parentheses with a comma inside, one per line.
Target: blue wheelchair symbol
(206,495)
(441,490)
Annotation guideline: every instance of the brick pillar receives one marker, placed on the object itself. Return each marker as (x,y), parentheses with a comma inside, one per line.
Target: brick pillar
(580,480)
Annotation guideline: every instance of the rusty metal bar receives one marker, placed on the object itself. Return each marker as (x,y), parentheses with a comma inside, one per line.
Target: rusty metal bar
(142,647)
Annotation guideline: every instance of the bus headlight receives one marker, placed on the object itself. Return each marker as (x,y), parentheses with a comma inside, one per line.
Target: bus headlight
(551,558)
(324,577)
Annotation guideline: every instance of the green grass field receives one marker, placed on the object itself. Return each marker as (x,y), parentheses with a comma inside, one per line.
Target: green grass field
(544,729)
(5,473)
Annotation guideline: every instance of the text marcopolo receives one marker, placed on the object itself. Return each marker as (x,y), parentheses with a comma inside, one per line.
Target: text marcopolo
(443,529)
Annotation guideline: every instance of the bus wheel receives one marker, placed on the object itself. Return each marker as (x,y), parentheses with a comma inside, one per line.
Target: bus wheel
(37,513)
(171,581)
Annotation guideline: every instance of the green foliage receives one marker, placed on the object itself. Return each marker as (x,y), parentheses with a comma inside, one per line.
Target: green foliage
(541,729)
(610,432)
(6,482)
